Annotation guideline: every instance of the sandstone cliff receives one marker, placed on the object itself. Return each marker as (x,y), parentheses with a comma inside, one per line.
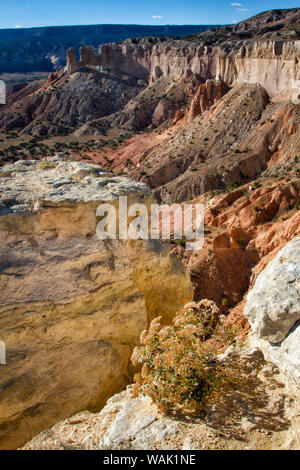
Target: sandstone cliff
(72,307)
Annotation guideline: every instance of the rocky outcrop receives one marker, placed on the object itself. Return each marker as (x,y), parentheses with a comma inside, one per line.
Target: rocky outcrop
(273,309)
(72,307)
(227,144)
(207,94)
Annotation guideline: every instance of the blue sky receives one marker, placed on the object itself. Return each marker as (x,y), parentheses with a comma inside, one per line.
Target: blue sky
(30,13)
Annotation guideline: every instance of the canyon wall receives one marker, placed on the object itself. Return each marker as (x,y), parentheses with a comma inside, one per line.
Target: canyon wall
(72,307)
(272,64)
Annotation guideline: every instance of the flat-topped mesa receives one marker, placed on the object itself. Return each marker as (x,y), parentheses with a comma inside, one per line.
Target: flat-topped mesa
(72,306)
(273,64)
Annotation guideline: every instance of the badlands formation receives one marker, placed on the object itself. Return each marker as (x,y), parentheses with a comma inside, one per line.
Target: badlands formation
(212,118)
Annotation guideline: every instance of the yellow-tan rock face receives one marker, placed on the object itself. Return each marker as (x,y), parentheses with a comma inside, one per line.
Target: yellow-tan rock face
(72,306)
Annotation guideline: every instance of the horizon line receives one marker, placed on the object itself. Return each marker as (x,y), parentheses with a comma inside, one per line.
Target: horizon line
(112,24)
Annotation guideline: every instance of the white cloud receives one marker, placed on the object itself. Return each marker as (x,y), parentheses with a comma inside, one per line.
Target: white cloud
(234,21)
(242,9)
(236,4)
(159,17)
(17,26)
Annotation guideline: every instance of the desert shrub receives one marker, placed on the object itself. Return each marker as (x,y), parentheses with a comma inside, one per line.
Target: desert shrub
(181,365)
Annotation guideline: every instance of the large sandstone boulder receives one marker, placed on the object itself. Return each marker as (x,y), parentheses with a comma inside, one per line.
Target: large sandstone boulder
(72,307)
(273,309)
(124,423)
